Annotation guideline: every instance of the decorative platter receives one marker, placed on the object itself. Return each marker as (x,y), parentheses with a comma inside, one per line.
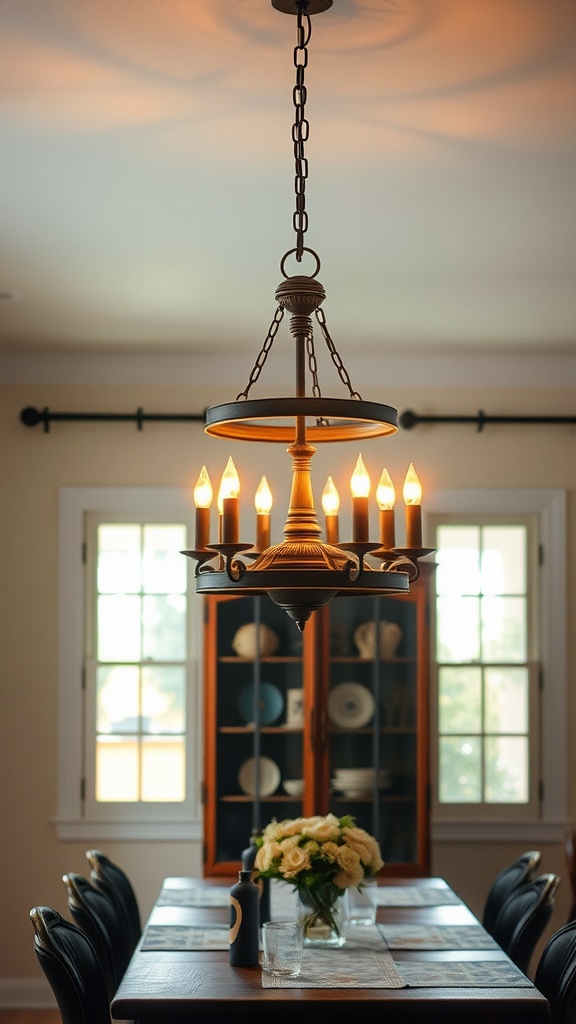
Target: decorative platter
(350,706)
(269,776)
(271,704)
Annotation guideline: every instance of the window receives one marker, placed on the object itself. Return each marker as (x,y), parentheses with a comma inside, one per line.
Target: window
(129,716)
(136,669)
(499,694)
(486,682)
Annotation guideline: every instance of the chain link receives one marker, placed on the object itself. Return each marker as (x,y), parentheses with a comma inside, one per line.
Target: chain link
(263,353)
(301,127)
(336,359)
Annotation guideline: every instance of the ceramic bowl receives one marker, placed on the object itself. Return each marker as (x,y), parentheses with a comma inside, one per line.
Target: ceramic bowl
(295,787)
(245,641)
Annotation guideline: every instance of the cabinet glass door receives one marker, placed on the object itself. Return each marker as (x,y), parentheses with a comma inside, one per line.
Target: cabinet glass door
(258,769)
(372,721)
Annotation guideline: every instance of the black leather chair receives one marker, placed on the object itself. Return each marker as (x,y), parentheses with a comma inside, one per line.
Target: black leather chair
(94,912)
(556,975)
(69,961)
(112,880)
(523,918)
(570,852)
(523,870)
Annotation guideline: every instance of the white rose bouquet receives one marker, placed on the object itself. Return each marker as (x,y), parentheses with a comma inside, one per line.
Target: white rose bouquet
(320,857)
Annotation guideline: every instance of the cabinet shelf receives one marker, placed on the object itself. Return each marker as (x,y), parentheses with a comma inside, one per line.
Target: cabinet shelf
(249,730)
(385,730)
(271,659)
(274,798)
(354,659)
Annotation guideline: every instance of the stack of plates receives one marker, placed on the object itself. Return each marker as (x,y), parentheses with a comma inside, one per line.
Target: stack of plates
(357,782)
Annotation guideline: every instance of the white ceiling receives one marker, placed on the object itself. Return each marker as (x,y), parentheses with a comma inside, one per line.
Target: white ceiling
(146,176)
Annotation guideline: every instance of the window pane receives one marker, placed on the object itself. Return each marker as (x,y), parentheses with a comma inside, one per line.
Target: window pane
(504,560)
(460,700)
(119,628)
(506,705)
(458,629)
(117,699)
(163,698)
(458,561)
(460,770)
(116,769)
(504,624)
(119,558)
(506,769)
(164,568)
(163,769)
(164,621)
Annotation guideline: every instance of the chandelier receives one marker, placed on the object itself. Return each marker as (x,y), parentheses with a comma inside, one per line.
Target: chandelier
(304,572)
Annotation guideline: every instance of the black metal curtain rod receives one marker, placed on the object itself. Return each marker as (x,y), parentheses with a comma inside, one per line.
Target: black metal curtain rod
(31,417)
(411,419)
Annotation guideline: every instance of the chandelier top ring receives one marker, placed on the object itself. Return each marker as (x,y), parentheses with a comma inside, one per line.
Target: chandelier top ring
(295,250)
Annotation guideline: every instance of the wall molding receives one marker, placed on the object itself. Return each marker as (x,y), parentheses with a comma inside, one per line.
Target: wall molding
(517,832)
(26,994)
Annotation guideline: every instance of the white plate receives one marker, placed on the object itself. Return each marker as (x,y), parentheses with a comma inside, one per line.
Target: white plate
(269,776)
(350,705)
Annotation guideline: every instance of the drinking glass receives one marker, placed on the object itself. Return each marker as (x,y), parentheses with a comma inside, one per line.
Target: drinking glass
(361,908)
(282,948)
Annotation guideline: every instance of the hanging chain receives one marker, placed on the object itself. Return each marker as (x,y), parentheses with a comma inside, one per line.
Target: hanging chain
(301,127)
(261,358)
(313,365)
(336,359)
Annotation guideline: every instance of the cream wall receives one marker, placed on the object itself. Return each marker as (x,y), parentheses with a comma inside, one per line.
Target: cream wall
(33,468)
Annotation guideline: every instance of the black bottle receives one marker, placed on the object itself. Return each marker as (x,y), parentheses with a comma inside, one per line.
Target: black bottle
(244,930)
(248,858)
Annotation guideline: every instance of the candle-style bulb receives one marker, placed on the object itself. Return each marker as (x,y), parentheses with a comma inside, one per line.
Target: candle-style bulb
(385,493)
(330,498)
(360,480)
(229,483)
(412,487)
(385,497)
(203,490)
(263,497)
(412,498)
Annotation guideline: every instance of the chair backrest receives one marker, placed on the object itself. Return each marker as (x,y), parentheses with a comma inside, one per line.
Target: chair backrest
(556,975)
(71,965)
(523,870)
(112,880)
(570,852)
(94,912)
(524,917)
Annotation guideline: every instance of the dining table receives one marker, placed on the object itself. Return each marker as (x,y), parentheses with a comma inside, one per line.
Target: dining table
(427,959)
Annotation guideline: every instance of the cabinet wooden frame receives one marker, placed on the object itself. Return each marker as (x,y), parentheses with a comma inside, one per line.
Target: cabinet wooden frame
(317,666)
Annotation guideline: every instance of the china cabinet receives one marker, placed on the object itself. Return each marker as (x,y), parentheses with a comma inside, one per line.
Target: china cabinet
(335,719)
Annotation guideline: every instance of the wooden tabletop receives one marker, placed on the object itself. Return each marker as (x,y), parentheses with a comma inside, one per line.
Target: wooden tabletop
(200,986)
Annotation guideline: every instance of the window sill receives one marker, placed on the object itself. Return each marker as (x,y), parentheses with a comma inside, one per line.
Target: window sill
(91,829)
(525,832)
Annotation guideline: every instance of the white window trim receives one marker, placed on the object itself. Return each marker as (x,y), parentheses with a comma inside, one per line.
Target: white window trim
(550,506)
(70,822)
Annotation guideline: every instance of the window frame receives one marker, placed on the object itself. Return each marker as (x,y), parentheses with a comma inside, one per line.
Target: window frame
(174,821)
(549,508)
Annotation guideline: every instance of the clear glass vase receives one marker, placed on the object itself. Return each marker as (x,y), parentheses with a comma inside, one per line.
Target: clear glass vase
(322,915)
